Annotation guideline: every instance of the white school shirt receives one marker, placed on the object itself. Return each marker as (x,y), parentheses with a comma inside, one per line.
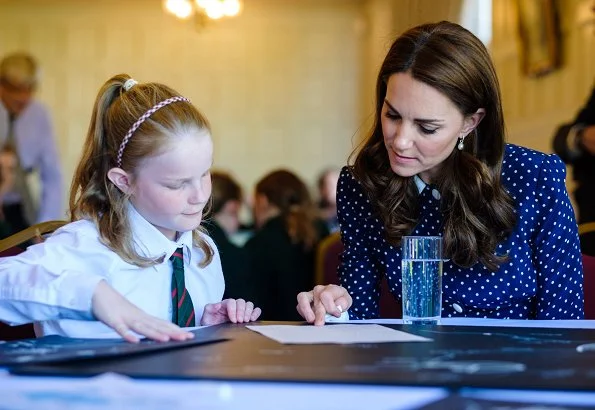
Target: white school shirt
(29,293)
(76,248)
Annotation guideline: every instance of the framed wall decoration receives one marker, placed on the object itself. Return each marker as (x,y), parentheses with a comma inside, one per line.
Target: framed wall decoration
(539,36)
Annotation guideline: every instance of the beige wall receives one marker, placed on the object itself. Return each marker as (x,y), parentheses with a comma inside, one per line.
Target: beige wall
(535,106)
(288,83)
(280,84)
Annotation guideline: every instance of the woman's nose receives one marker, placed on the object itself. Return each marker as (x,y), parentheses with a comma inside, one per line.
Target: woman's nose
(401,138)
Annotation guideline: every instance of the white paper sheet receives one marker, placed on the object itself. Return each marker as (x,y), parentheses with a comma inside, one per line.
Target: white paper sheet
(337,334)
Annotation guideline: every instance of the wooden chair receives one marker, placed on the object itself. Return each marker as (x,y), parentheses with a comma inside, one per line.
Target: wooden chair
(328,258)
(13,245)
(35,231)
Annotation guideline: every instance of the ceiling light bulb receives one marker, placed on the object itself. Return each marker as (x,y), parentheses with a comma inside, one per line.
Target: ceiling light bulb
(231,7)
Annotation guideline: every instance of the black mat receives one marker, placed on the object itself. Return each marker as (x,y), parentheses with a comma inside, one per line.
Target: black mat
(65,349)
(527,358)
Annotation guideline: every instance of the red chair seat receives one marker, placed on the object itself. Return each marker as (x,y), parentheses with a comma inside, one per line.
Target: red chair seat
(589,285)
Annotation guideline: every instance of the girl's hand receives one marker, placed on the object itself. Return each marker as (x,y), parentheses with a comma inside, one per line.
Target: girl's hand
(314,305)
(229,310)
(117,312)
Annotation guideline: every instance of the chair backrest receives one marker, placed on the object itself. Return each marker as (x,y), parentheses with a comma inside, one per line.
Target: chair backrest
(589,285)
(12,246)
(328,258)
(586,232)
(32,232)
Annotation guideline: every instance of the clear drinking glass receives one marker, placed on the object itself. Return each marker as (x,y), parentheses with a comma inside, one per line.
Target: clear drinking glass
(421,269)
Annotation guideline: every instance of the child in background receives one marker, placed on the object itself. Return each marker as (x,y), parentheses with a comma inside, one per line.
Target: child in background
(224,223)
(327,198)
(136,204)
(282,250)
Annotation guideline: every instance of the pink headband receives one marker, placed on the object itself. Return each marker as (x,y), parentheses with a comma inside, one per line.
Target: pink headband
(142,119)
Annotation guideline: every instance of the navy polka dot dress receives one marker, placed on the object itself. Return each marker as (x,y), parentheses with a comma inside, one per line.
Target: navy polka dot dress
(542,279)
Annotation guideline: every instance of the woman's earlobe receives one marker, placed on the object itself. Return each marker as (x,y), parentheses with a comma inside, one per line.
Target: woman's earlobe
(120,179)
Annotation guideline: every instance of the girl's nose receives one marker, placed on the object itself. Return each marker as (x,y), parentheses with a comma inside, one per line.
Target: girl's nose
(199,194)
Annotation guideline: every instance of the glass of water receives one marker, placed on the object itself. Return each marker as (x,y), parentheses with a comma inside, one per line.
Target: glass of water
(421,270)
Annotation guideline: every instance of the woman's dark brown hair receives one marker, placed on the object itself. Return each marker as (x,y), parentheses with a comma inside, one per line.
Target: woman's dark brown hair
(289,193)
(478,212)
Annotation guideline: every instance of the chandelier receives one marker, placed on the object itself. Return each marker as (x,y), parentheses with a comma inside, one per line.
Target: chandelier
(213,9)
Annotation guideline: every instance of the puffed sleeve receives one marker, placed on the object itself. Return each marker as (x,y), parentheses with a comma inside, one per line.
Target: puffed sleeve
(358,272)
(556,247)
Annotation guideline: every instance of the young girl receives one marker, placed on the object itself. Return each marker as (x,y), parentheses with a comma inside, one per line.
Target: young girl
(136,204)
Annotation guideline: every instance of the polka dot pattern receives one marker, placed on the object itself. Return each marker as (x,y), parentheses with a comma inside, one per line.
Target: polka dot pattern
(542,279)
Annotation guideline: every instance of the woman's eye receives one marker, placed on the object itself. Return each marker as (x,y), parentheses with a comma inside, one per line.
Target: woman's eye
(427,130)
(392,116)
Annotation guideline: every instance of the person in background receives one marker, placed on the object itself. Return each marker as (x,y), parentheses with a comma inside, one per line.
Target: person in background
(575,144)
(436,163)
(136,204)
(26,128)
(227,202)
(282,250)
(8,165)
(327,193)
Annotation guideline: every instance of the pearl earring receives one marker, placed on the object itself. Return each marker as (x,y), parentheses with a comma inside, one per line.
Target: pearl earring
(461,144)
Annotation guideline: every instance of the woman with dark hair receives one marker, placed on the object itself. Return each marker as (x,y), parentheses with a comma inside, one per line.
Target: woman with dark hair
(282,249)
(436,163)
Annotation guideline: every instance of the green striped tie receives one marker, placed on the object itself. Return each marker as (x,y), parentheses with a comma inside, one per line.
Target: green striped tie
(182,308)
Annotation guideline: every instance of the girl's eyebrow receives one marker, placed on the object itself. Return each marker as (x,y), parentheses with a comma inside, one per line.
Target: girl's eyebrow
(422,120)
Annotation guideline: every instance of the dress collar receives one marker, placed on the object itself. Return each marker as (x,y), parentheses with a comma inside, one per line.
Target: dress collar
(151,243)
(419,183)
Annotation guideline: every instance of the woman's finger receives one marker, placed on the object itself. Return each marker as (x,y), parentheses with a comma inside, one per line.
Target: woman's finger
(319,313)
(304,306)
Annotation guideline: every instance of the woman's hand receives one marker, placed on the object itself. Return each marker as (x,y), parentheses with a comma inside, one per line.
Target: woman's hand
(117,312)
(230,310)
(314,305)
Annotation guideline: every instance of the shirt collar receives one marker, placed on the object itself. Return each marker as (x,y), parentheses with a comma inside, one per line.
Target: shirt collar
(151,243)
(419,183)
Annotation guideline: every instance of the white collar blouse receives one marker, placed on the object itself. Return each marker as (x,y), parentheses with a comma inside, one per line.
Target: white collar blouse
(76,249)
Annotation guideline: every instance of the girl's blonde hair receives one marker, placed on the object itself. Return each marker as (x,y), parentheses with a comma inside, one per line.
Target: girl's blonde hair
(92,195)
